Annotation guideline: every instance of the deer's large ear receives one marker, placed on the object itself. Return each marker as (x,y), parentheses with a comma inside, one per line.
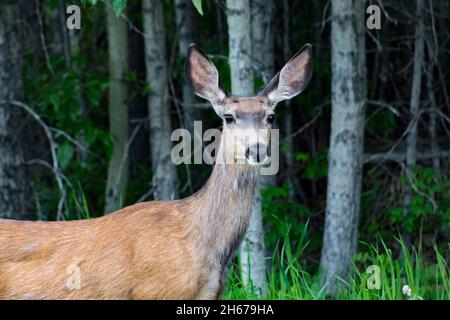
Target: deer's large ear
(203,77)
(292,79)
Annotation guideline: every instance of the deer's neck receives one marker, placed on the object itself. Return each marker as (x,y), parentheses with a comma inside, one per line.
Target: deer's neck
(222,210)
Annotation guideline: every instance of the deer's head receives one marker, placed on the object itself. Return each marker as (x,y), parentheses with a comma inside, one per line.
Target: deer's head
(247,120)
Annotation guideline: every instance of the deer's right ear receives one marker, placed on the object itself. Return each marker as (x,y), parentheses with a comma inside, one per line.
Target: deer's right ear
(203,77)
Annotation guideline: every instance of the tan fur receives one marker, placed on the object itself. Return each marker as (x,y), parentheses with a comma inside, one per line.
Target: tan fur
(115,254)
(155,250)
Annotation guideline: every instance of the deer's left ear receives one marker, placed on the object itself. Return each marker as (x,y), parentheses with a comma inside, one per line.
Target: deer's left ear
(292,79)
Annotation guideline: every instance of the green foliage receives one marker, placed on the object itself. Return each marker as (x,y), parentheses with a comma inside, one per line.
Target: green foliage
(117,5)
(91,2)
(198,5)
(430,191)
(65,153)
(313,167)
(380,122)
(426,281)
(69,100)
(287,279)
(281,215)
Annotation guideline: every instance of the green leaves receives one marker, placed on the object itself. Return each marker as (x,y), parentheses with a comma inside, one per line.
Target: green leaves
(313,167)
(422,214)
(198,5)
(71,100)
(118,6)
(84,3)
(64,154)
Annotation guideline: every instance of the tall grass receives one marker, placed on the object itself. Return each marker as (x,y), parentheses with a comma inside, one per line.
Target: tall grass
(410,277)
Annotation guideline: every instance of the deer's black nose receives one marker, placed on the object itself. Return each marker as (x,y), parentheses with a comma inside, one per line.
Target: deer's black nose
(256,153)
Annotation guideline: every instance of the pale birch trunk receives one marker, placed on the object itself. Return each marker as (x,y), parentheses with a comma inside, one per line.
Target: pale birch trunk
(240,49)
(184,20)
(348,87)
(252,253)
(411,139)
(13,185)
(164,170)
(116,185)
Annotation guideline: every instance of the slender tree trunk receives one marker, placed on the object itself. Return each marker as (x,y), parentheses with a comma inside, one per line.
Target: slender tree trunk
(442,55)
(252,252)
(289,151)
(164,171)
(348,86)
(116,186)
(411,139)
(433,127)
(221,29)
(313,136)
(14,193)
(240,48)
(72,48)
(184,20)
(262,38)
(60,40)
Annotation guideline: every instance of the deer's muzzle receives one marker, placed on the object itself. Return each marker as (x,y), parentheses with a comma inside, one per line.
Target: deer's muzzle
(257,154)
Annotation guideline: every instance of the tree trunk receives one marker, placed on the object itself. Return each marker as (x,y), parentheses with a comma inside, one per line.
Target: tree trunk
(116,186)
(262,38)
(60,41)
(433,124)
(348,86)
(221,29)
(240,49)
(72,49)
(184,20)
(252,252)
(14,193)
(164,171)
(411,139)
(289,150)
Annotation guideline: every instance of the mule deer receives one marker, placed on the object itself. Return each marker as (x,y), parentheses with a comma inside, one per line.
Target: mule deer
(177,249)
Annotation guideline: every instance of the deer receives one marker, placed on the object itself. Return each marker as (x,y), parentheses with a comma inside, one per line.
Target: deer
(177,249)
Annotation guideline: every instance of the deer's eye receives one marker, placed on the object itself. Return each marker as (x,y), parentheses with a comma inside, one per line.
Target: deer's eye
(228,118)
(270,118)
